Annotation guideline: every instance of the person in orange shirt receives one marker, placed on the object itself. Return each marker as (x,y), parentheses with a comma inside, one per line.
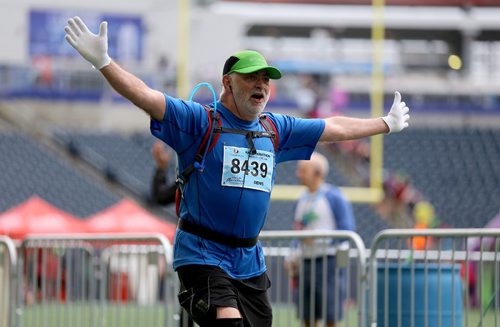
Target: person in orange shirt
(424,218)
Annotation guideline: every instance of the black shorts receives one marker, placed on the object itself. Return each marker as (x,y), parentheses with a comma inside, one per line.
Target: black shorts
(204,288)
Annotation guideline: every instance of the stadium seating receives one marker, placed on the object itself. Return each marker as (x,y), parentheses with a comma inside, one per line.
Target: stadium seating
(119,158)
(457,170)
(27,169)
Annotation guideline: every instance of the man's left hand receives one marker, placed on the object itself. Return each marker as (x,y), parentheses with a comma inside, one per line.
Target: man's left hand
(397,118)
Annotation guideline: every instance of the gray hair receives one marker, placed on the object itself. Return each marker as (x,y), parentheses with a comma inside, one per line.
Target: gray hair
(320,163)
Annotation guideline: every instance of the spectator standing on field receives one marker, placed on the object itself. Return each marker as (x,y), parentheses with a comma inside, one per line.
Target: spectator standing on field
(322,207)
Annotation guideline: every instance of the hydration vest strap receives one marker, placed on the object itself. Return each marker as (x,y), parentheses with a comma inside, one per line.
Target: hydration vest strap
(271,129)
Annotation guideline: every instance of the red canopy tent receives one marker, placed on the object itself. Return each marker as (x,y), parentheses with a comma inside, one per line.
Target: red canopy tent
(128,217)
(36,216)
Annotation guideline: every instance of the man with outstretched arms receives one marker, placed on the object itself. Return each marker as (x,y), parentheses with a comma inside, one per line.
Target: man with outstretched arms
(224,203)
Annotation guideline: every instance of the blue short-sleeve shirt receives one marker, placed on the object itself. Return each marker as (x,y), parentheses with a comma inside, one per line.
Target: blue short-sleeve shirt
(210,200)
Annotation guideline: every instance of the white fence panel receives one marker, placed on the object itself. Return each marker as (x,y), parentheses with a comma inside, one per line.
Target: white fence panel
(310,270)
(89,280)
(435,277)
(8,266)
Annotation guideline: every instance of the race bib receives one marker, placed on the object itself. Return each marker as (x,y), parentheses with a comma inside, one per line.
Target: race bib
(241,169)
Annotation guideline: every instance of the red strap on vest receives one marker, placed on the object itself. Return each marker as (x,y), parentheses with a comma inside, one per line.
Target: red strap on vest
(270,127)
(215,137)
(178,201)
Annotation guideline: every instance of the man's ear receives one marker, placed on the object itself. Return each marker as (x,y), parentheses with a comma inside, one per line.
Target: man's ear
(226,81)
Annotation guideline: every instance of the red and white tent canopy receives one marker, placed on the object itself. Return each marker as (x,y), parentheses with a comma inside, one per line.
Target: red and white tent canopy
(128,217)
(37,216)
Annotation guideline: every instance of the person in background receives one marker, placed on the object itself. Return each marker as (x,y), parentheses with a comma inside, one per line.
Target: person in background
(217,255)
(162,191)
(322,207)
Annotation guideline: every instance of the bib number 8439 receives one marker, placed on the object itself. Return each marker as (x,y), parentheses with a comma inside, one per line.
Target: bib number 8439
(242,169)
(255,169)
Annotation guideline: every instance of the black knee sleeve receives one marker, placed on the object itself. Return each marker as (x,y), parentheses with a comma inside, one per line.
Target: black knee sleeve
(198,308)
(229,322)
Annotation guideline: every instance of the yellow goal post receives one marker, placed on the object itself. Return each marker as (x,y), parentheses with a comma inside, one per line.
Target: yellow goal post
(372,194)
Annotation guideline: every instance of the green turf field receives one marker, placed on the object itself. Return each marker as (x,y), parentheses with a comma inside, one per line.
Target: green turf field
(108,315)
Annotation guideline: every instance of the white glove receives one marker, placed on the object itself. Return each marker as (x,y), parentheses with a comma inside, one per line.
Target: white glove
(397,118)
(94,48)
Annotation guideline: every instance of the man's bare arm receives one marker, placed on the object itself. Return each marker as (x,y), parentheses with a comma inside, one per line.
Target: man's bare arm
(94,48)
(341,128)
(348,128)
(135,90)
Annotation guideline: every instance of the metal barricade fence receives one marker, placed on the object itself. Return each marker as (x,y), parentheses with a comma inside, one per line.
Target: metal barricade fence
(96,280)
(8,265)
(315,275)
(434,278)
(429,278)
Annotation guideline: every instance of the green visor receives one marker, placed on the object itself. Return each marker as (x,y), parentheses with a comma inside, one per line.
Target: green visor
(248,61)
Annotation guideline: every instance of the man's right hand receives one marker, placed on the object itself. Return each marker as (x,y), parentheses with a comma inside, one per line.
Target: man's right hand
(92,47)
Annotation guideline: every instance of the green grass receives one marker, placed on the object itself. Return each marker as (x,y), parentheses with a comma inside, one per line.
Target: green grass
(128,315)
(79,314)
